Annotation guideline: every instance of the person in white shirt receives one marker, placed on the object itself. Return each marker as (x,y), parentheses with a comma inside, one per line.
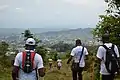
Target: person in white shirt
(59,63)
(18,73)
(101,55)
(78,55)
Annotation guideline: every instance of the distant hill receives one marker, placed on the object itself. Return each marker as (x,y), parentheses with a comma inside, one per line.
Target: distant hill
(9,31)
(68,35)
(50,35)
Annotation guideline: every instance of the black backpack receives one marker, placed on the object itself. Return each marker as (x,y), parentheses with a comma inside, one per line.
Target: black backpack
(28,61)
(111,61)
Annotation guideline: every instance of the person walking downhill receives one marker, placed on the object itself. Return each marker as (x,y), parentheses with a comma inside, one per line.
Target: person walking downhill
(59,63)
(28,64)
(78,55)
(107,55)
(50,63)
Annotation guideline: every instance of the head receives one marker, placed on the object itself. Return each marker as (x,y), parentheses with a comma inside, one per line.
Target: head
(78,42)
(105,38)
(30,44)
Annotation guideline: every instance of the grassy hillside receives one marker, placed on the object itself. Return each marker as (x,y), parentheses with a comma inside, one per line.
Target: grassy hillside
(54,74)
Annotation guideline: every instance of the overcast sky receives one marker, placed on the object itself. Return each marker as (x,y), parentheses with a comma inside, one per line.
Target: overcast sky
(50,13)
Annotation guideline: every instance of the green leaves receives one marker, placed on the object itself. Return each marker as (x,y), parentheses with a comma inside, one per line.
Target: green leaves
(3,48)
(108,24)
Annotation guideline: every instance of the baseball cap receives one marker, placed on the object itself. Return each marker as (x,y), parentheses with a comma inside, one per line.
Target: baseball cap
(30,41)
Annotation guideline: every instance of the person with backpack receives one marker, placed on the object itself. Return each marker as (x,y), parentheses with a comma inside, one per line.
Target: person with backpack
(28,64)
(107,55)
(78,55)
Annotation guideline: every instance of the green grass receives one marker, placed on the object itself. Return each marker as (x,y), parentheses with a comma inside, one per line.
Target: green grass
(54,74)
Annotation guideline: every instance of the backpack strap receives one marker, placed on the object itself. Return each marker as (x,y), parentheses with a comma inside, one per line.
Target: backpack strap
(23,58)
(105,47)
(32,58)
(81,54)
(113,46)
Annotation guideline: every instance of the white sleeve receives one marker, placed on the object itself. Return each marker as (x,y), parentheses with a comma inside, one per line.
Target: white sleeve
(40,62)
(16,63)
(85,51)
(72,52)
(100,53)
(116,51)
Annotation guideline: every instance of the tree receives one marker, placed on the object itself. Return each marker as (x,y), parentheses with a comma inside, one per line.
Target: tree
(27,34)
(113,6)
(110,23)
(62,47)
(3,48)
(42,51)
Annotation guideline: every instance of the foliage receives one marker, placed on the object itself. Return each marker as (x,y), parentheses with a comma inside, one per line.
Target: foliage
(113,6)
(108,24)
(62,47)
(42,51)
(3,48)
(27,34)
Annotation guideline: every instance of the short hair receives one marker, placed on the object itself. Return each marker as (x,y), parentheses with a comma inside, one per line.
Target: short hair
(105,38)
(78,41)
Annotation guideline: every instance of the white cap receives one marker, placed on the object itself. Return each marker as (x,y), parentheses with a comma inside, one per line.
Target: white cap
(30,41)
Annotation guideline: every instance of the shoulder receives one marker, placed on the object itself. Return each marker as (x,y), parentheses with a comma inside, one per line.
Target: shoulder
(115,46)
(19,54)
(84,48)
(38,56)
(100,47)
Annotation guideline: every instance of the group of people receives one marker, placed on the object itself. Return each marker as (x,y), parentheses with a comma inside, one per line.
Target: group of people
(107,56)
(28,65)
(58,64)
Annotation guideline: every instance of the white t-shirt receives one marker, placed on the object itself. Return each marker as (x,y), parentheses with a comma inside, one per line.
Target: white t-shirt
(59,62)
(101,54)
(76,52)
(38,63)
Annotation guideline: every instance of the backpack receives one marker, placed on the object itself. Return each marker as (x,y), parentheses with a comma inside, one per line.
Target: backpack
(28,61)
(111,62)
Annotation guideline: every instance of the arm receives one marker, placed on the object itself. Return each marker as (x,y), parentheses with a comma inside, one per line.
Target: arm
(86,53)
(70,58)
(72,54)
(100,55)
(41,69)
(41,72)
(15,72)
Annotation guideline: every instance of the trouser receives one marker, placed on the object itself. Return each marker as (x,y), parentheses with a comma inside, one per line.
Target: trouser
(108,77)
(77,75)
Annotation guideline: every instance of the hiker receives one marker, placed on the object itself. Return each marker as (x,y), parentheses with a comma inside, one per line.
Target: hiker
(107,55)
(59,64)
(78,55)
(50,63)
(28,64)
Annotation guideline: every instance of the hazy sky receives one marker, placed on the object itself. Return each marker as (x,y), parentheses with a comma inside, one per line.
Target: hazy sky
(50,13)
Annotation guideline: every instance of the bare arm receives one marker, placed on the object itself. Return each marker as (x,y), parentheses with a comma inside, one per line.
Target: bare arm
(15,73)
(41,72)
(70,58)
